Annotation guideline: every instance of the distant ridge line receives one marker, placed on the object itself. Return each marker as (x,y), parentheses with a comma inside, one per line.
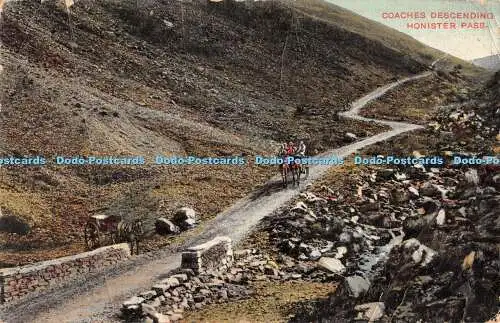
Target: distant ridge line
(491,62)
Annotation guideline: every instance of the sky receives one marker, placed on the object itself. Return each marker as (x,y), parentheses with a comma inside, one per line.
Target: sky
(467,44)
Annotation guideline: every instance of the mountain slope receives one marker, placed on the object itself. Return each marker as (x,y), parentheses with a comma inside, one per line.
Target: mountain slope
(129,78)
(491,62)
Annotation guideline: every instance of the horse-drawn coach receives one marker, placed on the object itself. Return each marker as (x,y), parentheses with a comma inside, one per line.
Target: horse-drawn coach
(102,229)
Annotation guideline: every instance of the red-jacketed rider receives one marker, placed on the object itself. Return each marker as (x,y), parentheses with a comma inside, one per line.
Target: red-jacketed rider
(290,151)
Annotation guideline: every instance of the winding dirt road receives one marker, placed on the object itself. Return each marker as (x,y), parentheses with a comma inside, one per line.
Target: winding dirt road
(98,298)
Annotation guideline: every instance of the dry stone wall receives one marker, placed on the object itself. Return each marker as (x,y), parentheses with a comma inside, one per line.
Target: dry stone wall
(18,282)
(190,285)
(216,254)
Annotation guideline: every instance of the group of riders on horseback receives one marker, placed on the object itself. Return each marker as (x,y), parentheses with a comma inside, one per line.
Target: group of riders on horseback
(292,165)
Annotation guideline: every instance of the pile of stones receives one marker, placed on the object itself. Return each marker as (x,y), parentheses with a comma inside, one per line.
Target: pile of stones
(411,243)
(472,126)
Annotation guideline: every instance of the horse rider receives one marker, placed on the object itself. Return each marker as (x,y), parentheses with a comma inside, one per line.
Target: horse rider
(301,150)
(282,150)
(291,149)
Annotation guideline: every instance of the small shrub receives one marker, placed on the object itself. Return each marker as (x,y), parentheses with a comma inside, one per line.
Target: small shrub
(300,110)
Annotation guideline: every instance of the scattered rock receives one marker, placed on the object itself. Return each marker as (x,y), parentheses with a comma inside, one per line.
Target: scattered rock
(441,217)
(161,288)
(472,177)
(349,136)
(386,173)
(468,261)
(171,282)
(357,285)
(429,205)
(414,225)
(429,189)
(423,255)
(331,264)
(370,311)
(168,24)
(135,300)
(149,294)
(180,277)
(419,282)
(341,251)
(315,254)
(413,191)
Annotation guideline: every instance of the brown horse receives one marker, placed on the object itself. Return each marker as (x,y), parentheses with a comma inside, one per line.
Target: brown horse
(131,232)
(296,169)
(284,169)
(304,169)
(290,167)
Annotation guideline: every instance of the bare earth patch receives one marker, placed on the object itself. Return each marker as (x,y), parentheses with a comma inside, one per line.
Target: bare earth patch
(272,302)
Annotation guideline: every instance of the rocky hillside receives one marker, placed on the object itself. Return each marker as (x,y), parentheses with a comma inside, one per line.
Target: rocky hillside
(444,268)
(494,89)
(142,78)
(402,243)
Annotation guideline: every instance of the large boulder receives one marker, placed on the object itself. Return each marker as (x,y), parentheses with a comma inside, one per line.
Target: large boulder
(164,226)
(185,218)
(332,265)
(13,224)
(357,285)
